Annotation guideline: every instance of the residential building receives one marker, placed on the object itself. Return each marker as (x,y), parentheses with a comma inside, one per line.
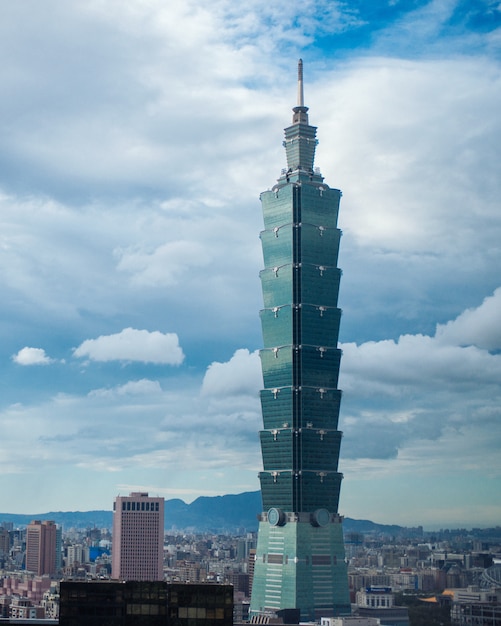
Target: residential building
(31,587)
(23,608)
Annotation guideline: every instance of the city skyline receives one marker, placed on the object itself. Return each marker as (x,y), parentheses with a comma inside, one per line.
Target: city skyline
(135,143)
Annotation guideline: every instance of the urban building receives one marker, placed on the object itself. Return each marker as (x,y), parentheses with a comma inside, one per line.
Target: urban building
(394,616)
(50,603)
(22,608)
(59,548)
(349,620)
(251,563)
(31,587)
(375,597)
(4,542)
(300,559)
(142,602)
(377,602)
(41,547)
(477,614)
(138,537)
(476,606)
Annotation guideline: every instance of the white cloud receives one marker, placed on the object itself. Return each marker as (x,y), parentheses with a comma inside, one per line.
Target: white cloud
(132,387)
(421,171)
(241,375)
(479,326)
(31,356)
(133,345)
(403,395)
(165,265)
(136,428)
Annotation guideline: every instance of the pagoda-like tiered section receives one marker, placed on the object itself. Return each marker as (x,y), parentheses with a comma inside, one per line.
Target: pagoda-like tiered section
(300,560)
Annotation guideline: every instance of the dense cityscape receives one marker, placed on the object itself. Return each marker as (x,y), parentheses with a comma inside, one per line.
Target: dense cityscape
(440,577)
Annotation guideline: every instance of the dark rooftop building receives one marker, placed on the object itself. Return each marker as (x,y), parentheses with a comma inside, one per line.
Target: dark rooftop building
(137,603)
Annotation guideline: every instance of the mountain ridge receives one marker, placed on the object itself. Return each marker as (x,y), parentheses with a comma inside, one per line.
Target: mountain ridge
(232,513)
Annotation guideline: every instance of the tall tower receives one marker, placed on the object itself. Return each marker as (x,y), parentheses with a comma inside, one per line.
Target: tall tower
(300,560)
(138,537)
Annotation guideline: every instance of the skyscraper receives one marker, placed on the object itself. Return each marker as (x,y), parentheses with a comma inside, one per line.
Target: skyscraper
(138,537)
(41,543)
(300,561)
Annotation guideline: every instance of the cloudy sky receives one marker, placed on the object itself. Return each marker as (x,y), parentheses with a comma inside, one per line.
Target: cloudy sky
(135,139)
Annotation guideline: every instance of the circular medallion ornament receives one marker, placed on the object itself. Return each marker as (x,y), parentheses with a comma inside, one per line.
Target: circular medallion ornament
(276,517)
(321,517)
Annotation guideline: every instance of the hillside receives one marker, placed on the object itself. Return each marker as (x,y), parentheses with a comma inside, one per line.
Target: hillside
(229,513)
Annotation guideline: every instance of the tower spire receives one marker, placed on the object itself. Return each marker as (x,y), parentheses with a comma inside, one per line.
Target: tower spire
(300,137)
(300,92)
(300,111)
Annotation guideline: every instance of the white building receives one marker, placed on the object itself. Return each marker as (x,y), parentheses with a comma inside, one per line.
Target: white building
(375,597)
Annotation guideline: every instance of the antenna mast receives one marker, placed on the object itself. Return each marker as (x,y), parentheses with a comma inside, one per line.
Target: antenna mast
(300,92)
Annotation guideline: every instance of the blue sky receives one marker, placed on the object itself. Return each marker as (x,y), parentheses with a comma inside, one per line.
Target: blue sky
(135,140)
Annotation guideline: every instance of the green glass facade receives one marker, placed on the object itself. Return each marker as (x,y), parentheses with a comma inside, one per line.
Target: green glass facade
(300,559)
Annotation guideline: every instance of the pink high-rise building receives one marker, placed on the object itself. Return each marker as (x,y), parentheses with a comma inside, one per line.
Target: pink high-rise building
(41,542)
(138,537)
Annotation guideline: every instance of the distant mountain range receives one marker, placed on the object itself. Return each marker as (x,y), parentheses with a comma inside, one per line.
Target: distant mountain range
(230,513)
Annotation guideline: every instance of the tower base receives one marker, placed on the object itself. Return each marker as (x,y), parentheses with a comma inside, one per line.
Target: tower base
(300,564)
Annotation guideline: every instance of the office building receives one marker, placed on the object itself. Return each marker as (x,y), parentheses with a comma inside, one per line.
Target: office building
(300,559)
(148,603)
(4,542)
(138,537)
(41,545)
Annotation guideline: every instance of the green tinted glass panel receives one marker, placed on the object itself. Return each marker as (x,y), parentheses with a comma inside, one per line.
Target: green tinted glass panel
(277,449)
(300,144)
(277,407)
(277,207)
(277,326)
(320,407)
(319,205)
(319,244)
(319,325)
(276,284)
(320,284)
(319,366)
(277,490)
(319,491)
(277,245)
(277,367)
(319,449)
